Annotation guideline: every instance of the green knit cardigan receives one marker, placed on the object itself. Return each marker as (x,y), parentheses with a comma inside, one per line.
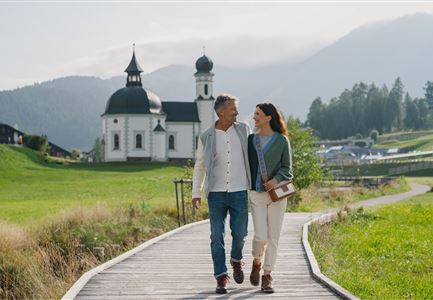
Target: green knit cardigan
(278,159)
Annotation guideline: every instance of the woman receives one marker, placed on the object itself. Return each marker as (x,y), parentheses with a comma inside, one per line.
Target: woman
(267,215)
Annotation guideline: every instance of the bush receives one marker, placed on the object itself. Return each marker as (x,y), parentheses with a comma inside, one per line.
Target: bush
(76,153)
(36,142)
(374,134)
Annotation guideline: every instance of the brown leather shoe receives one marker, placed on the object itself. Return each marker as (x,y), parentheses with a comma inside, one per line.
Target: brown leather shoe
(221,284)
(267,284)
(238,274)
(255,273)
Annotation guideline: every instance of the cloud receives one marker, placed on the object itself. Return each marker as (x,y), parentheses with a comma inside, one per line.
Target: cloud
(237,52)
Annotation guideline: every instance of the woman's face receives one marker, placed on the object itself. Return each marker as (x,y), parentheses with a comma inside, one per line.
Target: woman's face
(260,119)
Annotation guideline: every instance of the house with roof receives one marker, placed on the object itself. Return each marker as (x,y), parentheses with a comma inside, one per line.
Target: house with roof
(12,136)
(138,125)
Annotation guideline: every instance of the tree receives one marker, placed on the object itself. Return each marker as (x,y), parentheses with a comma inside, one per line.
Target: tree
(412,118)
(306,163)
(425,120)
(394,105)
(316,114)
(98,151)
(374,135)
(36,142)
(429,94)
(76,153)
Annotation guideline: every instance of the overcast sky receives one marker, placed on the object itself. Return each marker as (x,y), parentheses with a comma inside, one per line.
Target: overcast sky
(42,41)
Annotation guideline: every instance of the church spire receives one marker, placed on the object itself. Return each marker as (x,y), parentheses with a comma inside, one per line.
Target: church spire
(133,70)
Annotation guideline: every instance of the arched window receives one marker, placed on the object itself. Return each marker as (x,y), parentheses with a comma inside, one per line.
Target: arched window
(171,142)
(116,142)
(205,90)
(138,143)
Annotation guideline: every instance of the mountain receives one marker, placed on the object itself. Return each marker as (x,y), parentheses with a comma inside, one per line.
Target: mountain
(376,53)
(68,109)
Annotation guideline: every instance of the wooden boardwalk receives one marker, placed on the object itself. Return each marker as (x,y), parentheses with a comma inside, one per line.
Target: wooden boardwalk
(180,267)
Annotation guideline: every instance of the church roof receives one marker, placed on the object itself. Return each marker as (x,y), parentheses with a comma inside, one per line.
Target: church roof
(133,100)
(181,111)
(200,97)
(159,128)
(133,66)
(204,64)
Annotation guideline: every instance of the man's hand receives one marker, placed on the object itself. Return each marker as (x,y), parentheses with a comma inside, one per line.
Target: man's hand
(196,202)
(270,184)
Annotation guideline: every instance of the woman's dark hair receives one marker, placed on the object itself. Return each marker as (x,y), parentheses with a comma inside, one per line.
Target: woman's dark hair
(277,122)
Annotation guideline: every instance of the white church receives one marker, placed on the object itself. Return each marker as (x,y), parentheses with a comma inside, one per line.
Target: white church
(137,125)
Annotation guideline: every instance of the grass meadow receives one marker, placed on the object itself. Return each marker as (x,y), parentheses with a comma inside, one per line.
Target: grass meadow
(381,253)
(55,213)
(32,189)
(422,143)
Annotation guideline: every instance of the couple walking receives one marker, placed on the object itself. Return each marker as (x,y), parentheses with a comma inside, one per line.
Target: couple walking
(226,168)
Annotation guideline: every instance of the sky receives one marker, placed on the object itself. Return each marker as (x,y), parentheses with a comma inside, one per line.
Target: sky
(46,40)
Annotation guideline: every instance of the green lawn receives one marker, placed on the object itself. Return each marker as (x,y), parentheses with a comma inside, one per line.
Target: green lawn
(422,143)
(383,253)
(31,189)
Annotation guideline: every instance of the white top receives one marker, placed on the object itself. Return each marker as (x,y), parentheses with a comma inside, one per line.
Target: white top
(229,166)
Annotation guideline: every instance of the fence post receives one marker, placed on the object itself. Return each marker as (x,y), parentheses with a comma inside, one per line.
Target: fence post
(182,190)
(177,202)
(183,201)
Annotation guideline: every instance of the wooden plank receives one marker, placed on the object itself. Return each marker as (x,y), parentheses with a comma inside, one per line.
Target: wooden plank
(180,267)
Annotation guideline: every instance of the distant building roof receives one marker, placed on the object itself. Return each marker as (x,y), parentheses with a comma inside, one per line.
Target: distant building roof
(181,111)
(12,128)
(54,149)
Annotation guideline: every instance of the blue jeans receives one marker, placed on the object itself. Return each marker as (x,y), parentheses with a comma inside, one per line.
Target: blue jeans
(236,203)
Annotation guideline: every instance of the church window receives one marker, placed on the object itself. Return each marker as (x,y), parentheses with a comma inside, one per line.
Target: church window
(116,142)
(171,142)
(196,142)
(115,121)
(205,90)
(138,141)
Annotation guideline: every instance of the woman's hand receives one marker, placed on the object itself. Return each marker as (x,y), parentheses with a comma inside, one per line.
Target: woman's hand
(270,184)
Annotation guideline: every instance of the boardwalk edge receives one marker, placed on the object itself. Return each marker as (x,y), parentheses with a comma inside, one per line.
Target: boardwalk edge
(314,266)
(81,282)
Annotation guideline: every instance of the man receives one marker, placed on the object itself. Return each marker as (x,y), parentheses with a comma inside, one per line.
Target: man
(222,159)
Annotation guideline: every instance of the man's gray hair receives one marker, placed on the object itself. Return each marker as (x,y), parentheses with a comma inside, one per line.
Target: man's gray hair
(223,100)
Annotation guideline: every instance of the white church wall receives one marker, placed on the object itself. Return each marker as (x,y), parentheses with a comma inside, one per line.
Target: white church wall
(140,124)
(183,139)
(114,125)
(159,146)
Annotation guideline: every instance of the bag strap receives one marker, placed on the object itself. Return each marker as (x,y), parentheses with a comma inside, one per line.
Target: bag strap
(262,164)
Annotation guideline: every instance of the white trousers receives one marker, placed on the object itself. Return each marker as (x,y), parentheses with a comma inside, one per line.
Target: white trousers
(268,219)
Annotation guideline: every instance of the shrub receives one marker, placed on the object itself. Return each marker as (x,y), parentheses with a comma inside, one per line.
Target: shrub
(36,142)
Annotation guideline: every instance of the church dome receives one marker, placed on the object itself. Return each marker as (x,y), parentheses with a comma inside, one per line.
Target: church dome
(133,100)
(204,64)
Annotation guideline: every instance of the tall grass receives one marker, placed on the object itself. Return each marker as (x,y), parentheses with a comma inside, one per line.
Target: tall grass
(43,262)
(317,198)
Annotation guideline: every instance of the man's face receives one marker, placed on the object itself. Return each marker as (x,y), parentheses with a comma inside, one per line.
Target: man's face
(229,112)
